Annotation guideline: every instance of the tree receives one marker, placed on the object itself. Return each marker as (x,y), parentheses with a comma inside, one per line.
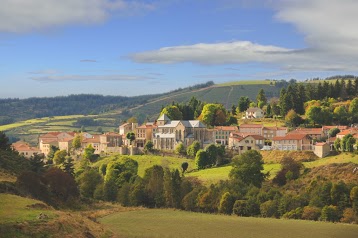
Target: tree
(67,166)
(193,149)
(213,114)
(76,143)
(354,198)
(4,142)
(88,181)
(148,147)
(172,112)
(184,166)
(292,118)
(132,120)
(243,104)
(154,180)
(37,163)
(353,106)
(314,114)
(172,182)
(180,149)
(89,153)
(130,136)
(333,132)
(247,168)
(337,144)
(261,97)
(226,203)
(340,115)
(52,152)
(201,159)
(290,169)
(212,154)
(60,156)
(269,111)
(347,143)
(330,213)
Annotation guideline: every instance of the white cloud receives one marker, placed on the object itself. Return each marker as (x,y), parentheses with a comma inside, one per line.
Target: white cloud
(118,77)
(329,28)
(32,15)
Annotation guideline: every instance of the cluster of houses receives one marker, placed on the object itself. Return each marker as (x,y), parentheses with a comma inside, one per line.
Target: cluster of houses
(166,134)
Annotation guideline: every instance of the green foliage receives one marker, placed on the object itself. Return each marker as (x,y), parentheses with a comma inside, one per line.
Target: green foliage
(330,213)
(201,159)
(4,142)
(292,119)
(243,104)
(290,169)
(88,154)
(154,180)
(311,213)
(269,209)
(76,143)
(59,156)
(184,166)
(51,153)
(337,144)
(130,136)
(247,167)
(180,149)
(37,163)
(88,182)
(354,198)
(261,97)
(333,132)
(148,147)
(347,143)
(193,149)
(226,203)
(172,112)
(172,192)
(213,114)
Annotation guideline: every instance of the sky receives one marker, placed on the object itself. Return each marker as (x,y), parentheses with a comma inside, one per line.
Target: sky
(135,47)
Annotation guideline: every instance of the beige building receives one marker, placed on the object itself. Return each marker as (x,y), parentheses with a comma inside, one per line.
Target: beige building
(25,149)
(251,129)
(127,127)
(271,132)
(244,143)
(322,149)
(171,133)
(144,133)
(54,139)
(292,142)
(221,134)
(313,133)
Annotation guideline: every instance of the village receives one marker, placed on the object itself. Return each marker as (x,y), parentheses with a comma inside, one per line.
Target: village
(166,135)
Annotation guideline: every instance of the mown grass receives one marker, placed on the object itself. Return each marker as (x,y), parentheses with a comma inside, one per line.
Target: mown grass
(37,121)
(147,161)
(152,223)
(341,158)
(214,175)
(16,209)
(244,82)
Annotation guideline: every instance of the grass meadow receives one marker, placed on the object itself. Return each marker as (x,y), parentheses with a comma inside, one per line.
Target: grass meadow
(153,223)
(18,209)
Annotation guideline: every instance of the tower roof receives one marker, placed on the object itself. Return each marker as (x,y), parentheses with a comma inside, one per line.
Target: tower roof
(163,117)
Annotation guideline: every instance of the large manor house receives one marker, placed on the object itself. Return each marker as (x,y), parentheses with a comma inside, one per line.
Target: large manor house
(166,134)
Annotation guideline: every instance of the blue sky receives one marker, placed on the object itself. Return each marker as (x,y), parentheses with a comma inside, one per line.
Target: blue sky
(125,47)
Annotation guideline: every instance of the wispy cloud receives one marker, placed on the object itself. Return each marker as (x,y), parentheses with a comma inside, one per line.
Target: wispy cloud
(33,15)
(331,41)
(118,77)
(217,76)
(45,71)
(88,61)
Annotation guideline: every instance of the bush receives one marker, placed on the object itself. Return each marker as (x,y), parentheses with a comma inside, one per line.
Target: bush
(311,213)
(349,216)
(330,213)
(226,203)
(294,214)
(241,208)
(269,209)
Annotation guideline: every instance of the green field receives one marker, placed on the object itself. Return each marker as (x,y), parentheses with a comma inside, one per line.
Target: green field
(168,223)
(147,161)
(17,209)
(244,82)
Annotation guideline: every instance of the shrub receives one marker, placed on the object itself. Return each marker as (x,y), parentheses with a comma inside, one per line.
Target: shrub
(226,203)
(311,213)
(269,209)
(330,213)
(349,216)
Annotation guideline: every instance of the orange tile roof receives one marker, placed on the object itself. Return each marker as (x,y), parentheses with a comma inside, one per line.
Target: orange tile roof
(291,137)
(226,128)
(251,126)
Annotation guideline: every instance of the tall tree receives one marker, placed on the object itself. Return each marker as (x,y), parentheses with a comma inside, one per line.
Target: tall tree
(243,104)
(172,112)
(247,168)
(261,97)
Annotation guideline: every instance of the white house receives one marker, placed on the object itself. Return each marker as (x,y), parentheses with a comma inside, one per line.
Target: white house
(254,112)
